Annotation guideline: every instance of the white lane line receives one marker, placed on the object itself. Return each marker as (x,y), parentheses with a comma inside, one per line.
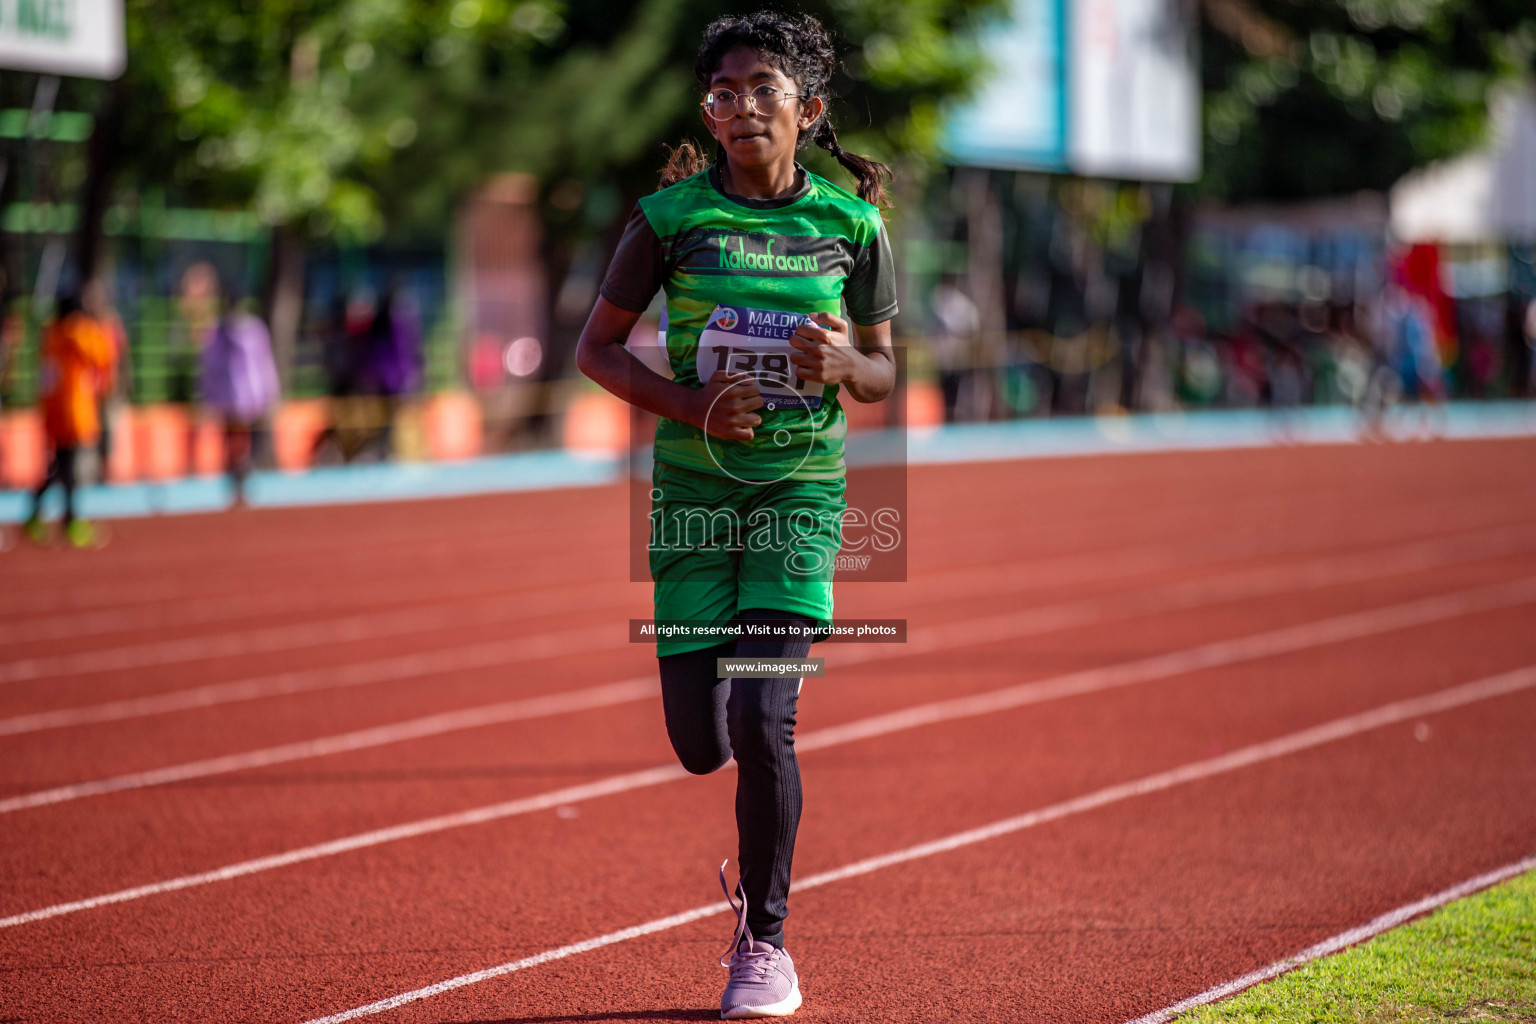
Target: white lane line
(71,609)
(159,609)
(1034,573)
(353,565)
(1192,594)
(526,805)
(70,614)
(1343,940)
(362,673)
(1329,732)
(314,633)
(1076,683)
(417,618)
(158,612)
(1327,571)
(270,566)
(607,695)
(965,633)
(1354,626)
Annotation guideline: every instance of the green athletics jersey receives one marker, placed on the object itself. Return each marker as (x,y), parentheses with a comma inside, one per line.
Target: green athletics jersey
(740,275)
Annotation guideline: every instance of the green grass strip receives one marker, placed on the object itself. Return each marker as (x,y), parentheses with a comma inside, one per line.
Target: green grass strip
(1472,960)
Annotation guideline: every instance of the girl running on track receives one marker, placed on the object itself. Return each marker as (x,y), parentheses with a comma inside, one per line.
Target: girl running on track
(757,257)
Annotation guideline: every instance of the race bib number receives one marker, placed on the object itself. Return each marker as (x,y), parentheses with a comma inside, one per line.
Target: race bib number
(756,341)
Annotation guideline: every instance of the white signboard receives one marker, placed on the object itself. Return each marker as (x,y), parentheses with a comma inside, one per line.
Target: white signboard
(1104,88)
(1135,92)
(63,37)
(1018,117)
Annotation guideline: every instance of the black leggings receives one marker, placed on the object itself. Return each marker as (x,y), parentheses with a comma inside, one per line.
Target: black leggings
(709,720)
(61,469)
(238,442)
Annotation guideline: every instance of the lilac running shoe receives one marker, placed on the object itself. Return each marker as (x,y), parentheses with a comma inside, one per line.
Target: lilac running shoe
(763,982)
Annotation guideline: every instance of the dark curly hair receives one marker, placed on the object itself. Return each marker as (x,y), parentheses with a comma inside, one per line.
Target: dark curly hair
(798,46)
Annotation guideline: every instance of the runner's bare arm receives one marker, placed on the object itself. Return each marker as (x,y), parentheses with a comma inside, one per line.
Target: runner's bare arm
(825,354)
(601,355)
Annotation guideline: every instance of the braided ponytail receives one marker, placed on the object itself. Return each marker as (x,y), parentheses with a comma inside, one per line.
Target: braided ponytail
(872,175)
(683,161)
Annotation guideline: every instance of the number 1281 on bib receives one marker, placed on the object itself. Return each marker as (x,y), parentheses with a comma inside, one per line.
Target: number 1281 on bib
(756,341)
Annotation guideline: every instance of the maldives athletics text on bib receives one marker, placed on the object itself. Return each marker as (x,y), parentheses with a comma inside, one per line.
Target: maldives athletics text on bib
(756,341)
(802,429)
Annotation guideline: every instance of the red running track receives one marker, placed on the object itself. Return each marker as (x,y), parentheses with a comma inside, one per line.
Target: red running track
(1078,625)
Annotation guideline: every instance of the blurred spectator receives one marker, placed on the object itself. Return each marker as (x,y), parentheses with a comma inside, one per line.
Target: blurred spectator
(1351,356)
(389,367)
(392,357)
(114,384)
(1406,339)
(956,323)
(1530,348)
(1287,389)
(13,330)
(74,364)
(1520,339)
(353,416)
(1408,360)
(197,303)
(372,360)
(1246,382)
(1197,378)
(239,381)
(337,355)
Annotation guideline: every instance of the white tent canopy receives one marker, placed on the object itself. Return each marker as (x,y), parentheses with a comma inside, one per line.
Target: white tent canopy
(1486,196)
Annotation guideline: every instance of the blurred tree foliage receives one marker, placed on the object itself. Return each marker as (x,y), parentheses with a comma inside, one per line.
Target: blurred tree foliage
(366,120)
(358,118)
(1325,97)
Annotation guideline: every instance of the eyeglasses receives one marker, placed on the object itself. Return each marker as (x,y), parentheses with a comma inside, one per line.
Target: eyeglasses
(767,100)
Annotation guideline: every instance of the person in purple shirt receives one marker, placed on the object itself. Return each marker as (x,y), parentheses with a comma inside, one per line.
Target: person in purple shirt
(392,358)
(390,361)
(239,381)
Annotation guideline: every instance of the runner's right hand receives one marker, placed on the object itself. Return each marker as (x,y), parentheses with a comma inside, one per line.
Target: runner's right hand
(725,405)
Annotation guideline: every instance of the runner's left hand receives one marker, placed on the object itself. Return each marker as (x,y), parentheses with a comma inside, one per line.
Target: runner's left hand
(823,351)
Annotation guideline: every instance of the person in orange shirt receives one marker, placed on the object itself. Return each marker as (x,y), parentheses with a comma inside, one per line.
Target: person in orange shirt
(113,380)
(74,367)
